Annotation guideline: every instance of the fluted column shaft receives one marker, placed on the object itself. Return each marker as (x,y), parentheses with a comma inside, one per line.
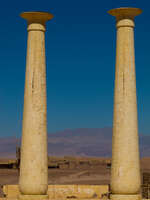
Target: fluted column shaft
(33,167)
(125,170)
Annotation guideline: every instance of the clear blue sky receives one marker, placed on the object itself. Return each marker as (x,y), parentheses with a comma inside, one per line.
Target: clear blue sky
(80,52)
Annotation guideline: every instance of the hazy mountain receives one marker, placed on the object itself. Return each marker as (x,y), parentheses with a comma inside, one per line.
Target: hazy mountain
(82,141)
(77,142)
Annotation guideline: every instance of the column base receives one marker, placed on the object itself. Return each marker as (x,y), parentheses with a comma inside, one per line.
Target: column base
(33,197)
(125,197)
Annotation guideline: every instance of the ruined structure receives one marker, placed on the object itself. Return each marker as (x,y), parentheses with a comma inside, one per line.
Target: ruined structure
(33,182)
(91,192)
(125,170)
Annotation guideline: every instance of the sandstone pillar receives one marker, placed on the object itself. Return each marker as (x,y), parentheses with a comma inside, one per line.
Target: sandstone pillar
(125,170)
(33,181)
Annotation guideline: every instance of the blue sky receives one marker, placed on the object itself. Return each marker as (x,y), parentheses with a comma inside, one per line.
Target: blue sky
(80,57)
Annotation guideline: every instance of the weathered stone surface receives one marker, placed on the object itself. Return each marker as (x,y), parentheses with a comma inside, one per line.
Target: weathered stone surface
(126,197)
(33,168)
(125,170)
(33,197)
(64,191)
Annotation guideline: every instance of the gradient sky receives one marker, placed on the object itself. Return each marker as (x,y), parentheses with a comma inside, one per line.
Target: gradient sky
(80,57)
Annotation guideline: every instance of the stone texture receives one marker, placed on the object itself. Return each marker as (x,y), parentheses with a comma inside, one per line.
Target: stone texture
(33,197)
(33,168)
(64,191)
(125,170)
(126,197)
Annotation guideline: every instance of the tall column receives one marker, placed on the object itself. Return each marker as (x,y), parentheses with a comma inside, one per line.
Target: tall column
(125,170)
(33,181)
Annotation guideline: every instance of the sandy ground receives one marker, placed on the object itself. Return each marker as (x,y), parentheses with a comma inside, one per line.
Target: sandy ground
(97,176)
(100,175)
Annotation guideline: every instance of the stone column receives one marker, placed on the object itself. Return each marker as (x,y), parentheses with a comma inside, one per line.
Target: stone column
(125,170)
(33,181)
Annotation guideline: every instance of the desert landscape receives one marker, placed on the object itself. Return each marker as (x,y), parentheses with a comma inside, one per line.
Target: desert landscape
(82,163)
(87,162)
(85,174)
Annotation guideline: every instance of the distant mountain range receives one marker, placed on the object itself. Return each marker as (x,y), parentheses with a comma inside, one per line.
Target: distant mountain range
(91,142)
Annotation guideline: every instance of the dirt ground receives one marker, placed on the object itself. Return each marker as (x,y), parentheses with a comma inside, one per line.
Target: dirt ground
(96,176)
(100,175)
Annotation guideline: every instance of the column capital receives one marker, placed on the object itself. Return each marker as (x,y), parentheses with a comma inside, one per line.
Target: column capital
(36,20)
(125,16)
